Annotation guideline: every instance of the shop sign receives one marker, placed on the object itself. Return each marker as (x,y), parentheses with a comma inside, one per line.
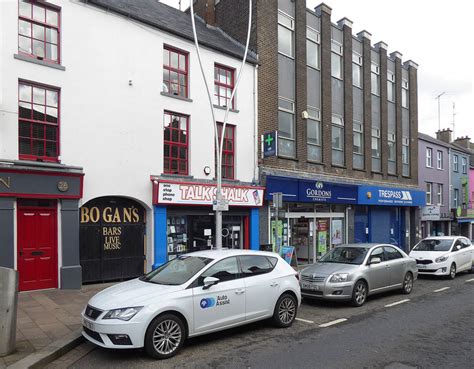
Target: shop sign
(270,144)
(23,183)
(318,191)
(205,194)
(374,195)
(430,213)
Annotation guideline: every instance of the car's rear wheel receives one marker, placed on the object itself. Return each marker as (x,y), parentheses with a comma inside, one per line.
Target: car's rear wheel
(407,283)
(452,271)
(359,293)
(165,336)
(285,311)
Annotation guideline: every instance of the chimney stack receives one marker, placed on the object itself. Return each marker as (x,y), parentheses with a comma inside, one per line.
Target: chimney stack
(444,135)
(205,9)
(464,142)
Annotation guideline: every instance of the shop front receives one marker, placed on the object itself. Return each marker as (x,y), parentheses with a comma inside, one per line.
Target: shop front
(184,220)
(39,232)
(434,222)
(314,217)
(388,215)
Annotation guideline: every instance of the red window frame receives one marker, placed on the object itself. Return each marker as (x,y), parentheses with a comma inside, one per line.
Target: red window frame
(175,143)
(38,121)
(175,71)
(37,27)
(228,150)
(223,87)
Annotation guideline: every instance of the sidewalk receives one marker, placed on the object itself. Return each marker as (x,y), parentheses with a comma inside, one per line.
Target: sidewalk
(46,316)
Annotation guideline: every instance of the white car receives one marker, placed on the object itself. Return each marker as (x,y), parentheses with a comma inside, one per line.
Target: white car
(443,255)
(191,295)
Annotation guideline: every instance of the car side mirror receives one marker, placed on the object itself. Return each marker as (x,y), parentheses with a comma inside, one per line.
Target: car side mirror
(457,247)
(375,260)
(210,281)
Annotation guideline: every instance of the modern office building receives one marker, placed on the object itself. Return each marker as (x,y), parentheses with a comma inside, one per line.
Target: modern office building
(346,115)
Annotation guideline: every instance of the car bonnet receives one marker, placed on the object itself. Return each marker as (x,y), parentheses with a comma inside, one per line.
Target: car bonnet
(329,268)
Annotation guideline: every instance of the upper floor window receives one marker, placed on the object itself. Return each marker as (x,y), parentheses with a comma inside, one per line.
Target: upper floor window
(358,138)
(175,72)
(286,27)
(429,193)
(312,47)
(405,150)
(228,150)
(38,30)
(429,157)
(223,86)
(375,143)
(405,93)
(390,86)
(456,198)
(313,124)
(392,148)
(286,128)
(439,160)
(375,79)
(176,143)
(357,70)
(336,59)
(455,163)
(38,121)
(464,165)
(440,194)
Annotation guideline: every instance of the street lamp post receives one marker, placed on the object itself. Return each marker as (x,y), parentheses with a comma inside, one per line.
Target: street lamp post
(220,203)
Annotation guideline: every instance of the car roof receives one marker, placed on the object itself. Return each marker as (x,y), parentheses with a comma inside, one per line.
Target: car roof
(223,253)
(442,237)
(363,245)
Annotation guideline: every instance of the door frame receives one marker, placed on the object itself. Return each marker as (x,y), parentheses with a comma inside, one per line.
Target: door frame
(53,207)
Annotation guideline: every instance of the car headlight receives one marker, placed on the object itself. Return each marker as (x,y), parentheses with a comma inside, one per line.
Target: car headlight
(441,259)
(123,314)
(339,277)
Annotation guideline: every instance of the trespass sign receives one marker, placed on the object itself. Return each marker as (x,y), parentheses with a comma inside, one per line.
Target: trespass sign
(374,195)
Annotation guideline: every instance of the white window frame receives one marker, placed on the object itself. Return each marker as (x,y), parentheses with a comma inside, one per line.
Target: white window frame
(281,16)
(404,93)
(391,86)
(314,36)
(429,193)
(375,70)
(357,60)
(455,163)
(464,165)
(440,194)
(439,160)
(456,198)
(337,48)
(429,157)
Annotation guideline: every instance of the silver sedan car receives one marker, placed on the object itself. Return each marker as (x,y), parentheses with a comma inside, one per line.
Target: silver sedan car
(354,271)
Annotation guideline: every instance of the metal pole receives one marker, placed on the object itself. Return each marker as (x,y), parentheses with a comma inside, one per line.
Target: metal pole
(219,144)
(439,109)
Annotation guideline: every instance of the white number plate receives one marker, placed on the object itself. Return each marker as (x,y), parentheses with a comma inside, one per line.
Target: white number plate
(421,266)
(88,324)
(308,286)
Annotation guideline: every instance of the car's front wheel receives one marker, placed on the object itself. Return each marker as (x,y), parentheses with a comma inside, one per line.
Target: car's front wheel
(359,293)
(285,310)
(452,271)
(165,336)
(407,284)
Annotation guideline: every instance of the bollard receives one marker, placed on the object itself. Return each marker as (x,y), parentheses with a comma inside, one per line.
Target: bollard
(8,308)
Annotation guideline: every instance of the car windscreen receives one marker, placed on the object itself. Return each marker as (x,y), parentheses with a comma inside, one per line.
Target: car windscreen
(176,271)
(345,255)
(434,245)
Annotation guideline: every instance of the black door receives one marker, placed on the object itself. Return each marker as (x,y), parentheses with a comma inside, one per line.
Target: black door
(112,239)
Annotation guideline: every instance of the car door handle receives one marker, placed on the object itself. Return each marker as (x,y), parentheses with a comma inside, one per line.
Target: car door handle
(274,284)
(239,292)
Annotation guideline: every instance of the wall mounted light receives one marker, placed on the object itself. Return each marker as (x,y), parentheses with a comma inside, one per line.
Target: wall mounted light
(207,170)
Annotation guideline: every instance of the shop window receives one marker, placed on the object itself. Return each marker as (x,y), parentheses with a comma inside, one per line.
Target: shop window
(175,72)
(223,86)
(38,121)
(176,143)
(228,150)
(38,30)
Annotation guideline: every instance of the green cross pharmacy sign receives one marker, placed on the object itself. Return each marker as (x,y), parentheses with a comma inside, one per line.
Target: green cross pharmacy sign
(270,144)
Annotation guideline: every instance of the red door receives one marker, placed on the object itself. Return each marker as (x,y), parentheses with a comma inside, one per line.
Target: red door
(37,248)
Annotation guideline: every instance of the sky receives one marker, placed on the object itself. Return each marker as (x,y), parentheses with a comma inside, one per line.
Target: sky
(433,34)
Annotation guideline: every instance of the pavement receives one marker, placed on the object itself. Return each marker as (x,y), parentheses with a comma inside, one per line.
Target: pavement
(48,325)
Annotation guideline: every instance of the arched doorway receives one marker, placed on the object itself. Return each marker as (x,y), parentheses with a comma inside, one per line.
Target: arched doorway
(112,239)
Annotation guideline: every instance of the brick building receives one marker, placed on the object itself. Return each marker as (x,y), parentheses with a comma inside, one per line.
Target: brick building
(347,121)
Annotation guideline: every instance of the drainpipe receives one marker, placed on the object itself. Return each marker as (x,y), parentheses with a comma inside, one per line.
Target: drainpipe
(255,126)
(449,188)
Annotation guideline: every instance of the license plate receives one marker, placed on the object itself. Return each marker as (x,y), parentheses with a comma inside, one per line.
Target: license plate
(308,286)
(88,325)
(421,266)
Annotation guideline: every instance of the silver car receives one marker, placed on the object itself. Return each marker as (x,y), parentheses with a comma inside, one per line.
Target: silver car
(354,271)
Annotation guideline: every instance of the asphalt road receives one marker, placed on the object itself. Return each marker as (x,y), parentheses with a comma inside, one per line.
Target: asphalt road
(433,329)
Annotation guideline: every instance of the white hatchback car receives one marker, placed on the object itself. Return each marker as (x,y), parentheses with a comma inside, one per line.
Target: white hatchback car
(443,255)
(191,295)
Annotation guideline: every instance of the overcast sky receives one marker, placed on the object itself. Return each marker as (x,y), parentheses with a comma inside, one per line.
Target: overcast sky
(434,34)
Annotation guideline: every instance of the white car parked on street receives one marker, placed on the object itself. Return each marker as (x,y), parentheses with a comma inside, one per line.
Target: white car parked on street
(443,255)
(191,295)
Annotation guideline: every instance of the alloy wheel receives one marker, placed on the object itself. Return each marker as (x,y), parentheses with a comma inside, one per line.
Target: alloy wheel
(167,337)
(408,283)
(360,293)
(287,310)
(452,271)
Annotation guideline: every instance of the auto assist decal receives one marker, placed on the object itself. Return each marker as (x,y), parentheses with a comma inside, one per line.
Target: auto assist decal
(210,302)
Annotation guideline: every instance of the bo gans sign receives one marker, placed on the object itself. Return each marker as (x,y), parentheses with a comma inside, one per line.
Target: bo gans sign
(204,194)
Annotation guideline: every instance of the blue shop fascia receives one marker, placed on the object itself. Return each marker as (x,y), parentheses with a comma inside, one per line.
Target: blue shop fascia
(320,214)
